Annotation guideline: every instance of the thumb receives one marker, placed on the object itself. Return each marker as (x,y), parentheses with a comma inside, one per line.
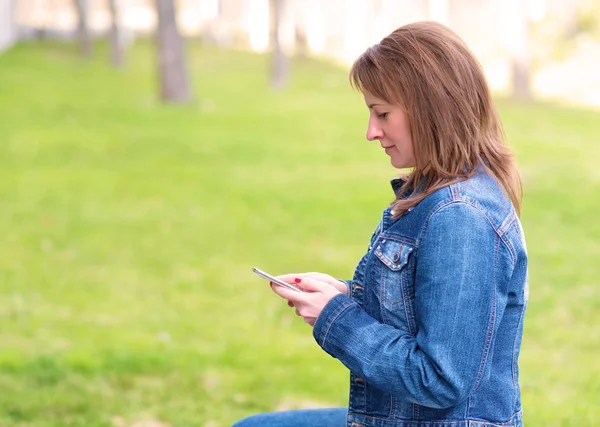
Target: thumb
(311,285)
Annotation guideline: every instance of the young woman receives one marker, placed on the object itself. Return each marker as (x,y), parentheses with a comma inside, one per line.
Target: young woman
(430,325)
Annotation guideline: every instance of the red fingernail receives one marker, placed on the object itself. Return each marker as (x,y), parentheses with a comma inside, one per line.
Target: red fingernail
(297,280)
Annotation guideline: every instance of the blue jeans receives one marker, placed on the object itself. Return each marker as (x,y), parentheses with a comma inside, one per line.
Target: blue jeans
(330,417)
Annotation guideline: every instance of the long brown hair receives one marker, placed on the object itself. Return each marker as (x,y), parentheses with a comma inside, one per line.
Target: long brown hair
(428,70)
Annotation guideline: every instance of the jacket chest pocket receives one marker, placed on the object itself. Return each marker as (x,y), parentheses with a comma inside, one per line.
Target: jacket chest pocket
(394,283)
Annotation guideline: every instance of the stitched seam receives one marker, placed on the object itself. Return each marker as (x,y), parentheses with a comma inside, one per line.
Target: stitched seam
(511,250)
(514,359)
(453,194)
(467,202)
(507,223)
(447,203)
(386,261)
(334,317)
(491,322)
(408,310)
(509,423)
(397,238)
(393,406)
(468,407)
(476,205)
(509,245)
(382,294)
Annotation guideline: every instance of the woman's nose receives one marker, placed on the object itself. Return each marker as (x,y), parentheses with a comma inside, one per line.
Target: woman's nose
(374,132)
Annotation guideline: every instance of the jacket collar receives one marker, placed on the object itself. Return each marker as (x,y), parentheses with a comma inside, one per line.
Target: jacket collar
(397,184)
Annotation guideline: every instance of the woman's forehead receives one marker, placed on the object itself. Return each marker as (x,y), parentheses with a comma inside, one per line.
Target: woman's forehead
(371,99)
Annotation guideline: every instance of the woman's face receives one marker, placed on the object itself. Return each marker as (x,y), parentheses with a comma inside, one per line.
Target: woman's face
(389,125)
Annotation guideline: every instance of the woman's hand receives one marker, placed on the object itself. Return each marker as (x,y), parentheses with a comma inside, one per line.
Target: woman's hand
(311,302)
(321,277)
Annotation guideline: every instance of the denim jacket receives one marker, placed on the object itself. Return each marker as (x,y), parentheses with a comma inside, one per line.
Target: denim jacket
(432,326)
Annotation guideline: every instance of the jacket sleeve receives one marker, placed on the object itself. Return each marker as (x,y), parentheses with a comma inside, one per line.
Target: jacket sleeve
(455,309)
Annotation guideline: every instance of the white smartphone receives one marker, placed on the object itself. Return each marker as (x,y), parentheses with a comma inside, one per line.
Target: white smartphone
(275,280)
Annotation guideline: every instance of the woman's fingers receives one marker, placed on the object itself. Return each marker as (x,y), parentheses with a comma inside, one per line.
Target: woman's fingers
(286,293)
(290,278)
(310,284)
(326,278)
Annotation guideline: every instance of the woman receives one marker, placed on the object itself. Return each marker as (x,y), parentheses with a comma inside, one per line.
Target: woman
(430,325)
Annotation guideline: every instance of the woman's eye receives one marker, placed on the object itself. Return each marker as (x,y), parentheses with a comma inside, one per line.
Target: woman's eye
(382,115)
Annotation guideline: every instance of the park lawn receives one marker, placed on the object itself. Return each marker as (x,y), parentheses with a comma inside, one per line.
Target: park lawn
(129,231)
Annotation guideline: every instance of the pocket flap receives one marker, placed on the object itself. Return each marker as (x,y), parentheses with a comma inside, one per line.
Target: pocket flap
(394,254)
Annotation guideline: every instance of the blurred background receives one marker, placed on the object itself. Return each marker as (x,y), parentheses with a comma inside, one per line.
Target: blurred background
(154,151)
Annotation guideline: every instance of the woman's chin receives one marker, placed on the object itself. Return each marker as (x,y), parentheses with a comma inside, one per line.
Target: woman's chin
(402,163)
(398,164)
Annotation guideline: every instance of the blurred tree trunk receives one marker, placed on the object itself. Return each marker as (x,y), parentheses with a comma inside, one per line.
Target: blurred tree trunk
(520,54)
(211,33)
(301,43)
(174,84)
(521,79)
(83,31)
(219,9)
(300,13)
(279,60)
(116,36)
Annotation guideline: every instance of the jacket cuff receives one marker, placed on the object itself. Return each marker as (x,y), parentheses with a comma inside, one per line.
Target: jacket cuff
(332,310)
(348,285)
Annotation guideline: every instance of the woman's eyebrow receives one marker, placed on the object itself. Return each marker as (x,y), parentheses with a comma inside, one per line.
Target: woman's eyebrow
(373,105)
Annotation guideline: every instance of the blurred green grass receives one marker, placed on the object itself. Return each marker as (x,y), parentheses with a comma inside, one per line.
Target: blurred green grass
(129,231)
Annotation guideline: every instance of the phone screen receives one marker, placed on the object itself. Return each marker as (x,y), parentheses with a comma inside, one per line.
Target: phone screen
(275,280)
